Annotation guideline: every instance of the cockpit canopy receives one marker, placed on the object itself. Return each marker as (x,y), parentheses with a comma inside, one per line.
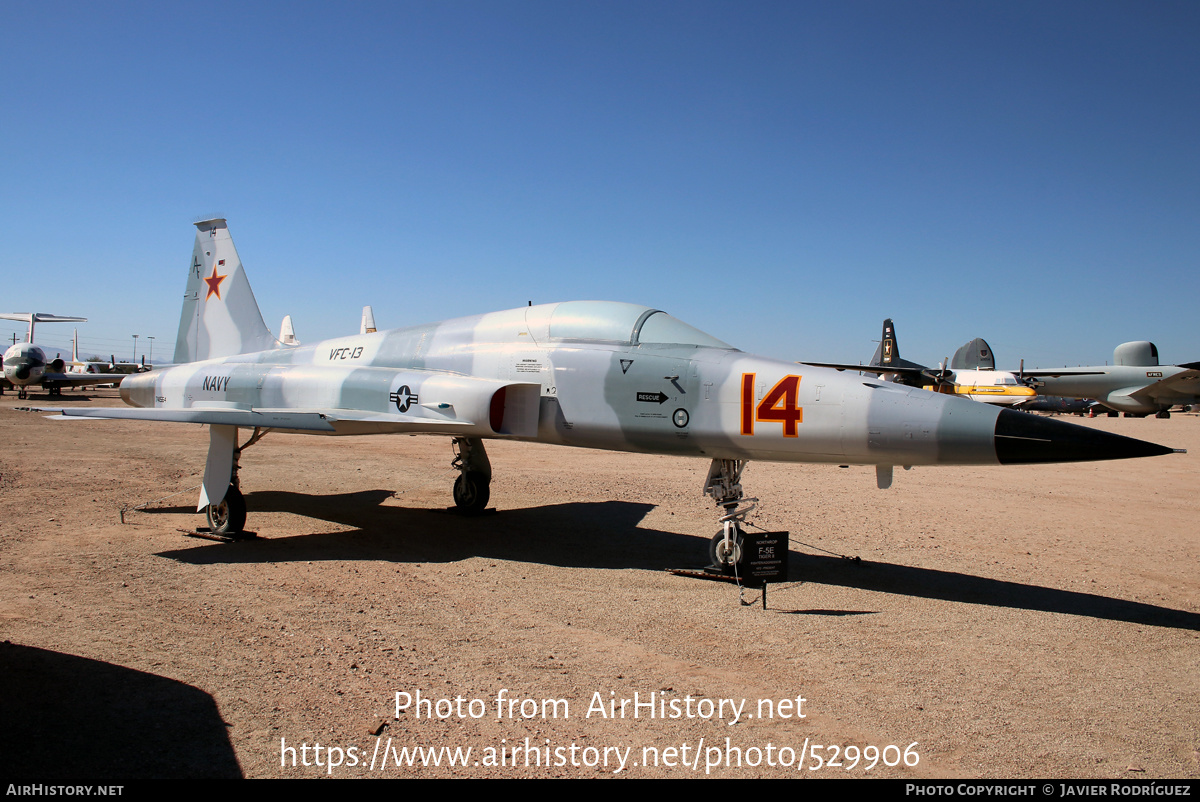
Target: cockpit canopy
(624,324)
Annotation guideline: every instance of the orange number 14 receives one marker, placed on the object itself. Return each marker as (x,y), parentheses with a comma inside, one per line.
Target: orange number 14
(778,405)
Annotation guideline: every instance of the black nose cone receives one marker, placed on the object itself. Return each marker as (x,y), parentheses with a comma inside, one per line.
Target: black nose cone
(1023,438)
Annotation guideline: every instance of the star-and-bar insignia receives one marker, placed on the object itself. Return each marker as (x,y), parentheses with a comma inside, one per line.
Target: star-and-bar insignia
(214,284)
(403,398)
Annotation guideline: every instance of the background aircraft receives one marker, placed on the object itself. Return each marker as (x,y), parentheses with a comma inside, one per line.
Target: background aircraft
(888,364)
(975,376)
(27,365)
(595,374)
(1134,384)
(972,374)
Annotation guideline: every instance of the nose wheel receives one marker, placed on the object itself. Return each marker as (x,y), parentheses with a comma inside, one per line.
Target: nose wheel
(726,553)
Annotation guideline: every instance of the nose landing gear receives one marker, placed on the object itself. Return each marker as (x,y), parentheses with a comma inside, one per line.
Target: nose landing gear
(724,485)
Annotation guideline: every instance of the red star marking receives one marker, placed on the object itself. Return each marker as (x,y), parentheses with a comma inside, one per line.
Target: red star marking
(214,284)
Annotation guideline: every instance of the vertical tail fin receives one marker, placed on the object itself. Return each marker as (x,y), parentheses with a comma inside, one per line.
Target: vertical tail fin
(888,352)
(975,355)
(220,316)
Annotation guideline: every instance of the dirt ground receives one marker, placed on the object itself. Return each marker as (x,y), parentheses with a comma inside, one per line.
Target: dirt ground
(1002,623)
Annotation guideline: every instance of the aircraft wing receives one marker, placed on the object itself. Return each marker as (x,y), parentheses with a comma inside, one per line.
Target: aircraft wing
(1056,372)
(869,368)
(329,421)
(458,406)
(1185,383)
(911,374)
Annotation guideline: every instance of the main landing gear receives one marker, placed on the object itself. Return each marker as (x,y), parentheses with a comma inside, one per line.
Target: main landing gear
(228,517)
(472,488)
(724,485)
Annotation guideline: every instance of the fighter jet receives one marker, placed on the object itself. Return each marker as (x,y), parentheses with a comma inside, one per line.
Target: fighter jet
(1134,384)
(972,372)
(595,374)
(26,365)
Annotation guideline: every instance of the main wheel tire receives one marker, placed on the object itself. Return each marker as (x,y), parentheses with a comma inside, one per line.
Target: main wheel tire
(228,517)
(724,555)
(471,492)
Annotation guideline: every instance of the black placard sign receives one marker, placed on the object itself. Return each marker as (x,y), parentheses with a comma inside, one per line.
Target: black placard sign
(766,555)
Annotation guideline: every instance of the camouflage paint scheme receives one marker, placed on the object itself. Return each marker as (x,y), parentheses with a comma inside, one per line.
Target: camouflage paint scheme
(595,374)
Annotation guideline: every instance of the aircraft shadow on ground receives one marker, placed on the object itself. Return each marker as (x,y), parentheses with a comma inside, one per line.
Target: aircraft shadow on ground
(948,586)
(583,535)
(67,717)
(606,535)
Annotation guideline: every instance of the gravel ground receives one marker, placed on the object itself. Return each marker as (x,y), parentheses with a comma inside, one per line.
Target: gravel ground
(1002,622)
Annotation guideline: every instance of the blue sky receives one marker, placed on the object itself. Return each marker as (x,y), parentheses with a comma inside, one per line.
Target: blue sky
(782,175)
